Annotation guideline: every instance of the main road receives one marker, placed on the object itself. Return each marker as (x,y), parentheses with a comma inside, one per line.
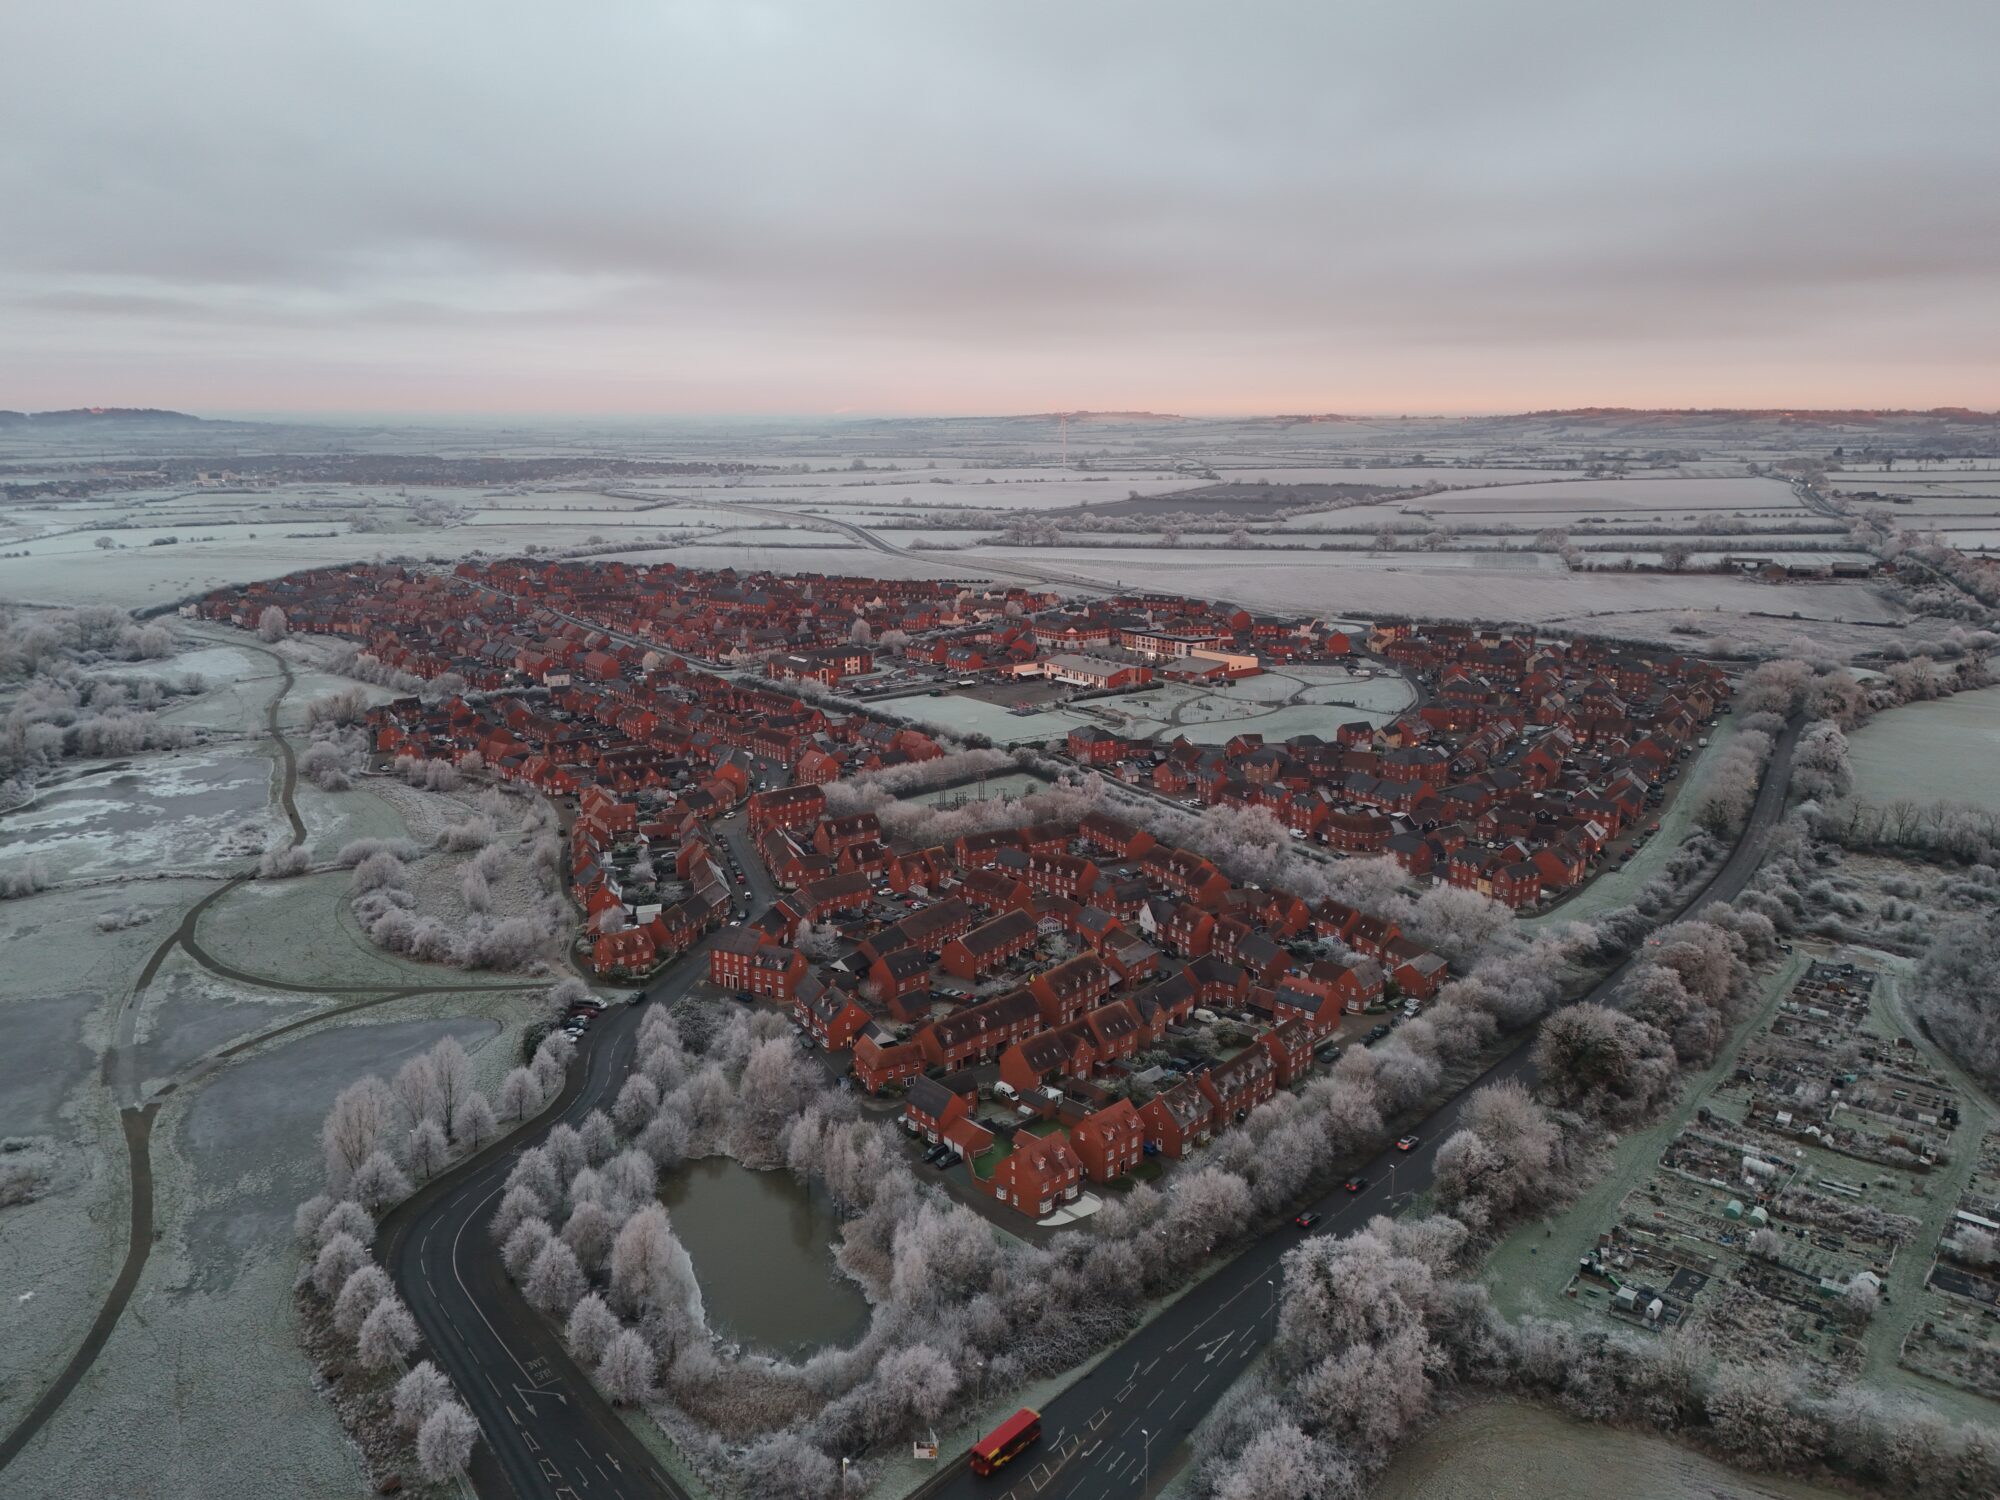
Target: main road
(548,1434)
(547,1430)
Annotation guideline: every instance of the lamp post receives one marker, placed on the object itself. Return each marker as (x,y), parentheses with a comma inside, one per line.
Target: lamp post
(1272,1283)
(844,1461)
(1148,1478)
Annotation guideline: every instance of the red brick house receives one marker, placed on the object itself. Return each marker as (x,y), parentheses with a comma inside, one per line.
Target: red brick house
(741,960)
(985,948)
(1070,988)
(1105,834)
(1238,1086)
(1290,1045)
(980,1033)
(1178,1121)
(880,1060)
(1109,1143)
(1040,1175)
(832,1016)
(930,1107)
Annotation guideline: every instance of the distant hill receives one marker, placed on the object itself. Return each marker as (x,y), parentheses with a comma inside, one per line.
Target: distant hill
(1627,414)
(1099,416)
(79,416)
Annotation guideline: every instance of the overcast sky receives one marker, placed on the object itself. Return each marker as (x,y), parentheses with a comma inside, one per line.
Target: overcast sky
(638,205)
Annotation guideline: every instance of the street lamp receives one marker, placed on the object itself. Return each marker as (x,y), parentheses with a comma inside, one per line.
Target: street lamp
(1148,1479)
(844,1461)
(1272,1283)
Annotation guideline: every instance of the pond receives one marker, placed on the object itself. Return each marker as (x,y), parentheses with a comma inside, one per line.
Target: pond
(1507,1450)
(762,1247)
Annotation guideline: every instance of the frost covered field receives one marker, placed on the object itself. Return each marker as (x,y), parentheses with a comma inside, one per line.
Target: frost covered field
(254,1016)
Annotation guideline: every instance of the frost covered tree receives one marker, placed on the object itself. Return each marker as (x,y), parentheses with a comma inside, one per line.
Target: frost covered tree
(272,624)
(426,1150)
(378,1180)
(345,1217)
(355,1127)
(591,1328)
(1282,1463)
(444,1442)
(472,1122)
(589,1233)
(637,1103)
(387,1336)
(555,1281)
(309,1215)
(523,1242)
(520,1095)
(339,1258)
(626,1369)
(419,1393)
(357,1299)
(418,1092)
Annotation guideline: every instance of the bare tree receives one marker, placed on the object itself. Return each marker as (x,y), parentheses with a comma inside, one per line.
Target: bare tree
(355,1127)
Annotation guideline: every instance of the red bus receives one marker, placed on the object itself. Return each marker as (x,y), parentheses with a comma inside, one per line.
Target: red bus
(1006,1440)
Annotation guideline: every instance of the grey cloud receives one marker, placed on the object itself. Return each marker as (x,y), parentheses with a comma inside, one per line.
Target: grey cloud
(1118,204)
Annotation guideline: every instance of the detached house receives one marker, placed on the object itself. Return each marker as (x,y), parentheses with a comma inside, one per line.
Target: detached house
(1039,1176)
(1110,1142)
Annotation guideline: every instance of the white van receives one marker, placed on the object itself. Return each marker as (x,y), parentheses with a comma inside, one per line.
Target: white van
(1003,1090)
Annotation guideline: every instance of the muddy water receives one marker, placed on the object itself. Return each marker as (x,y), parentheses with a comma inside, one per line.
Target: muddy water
(1504,1450)
(761,1243)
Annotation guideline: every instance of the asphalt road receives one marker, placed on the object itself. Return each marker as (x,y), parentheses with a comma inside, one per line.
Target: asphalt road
(547,1431)
(549,1434)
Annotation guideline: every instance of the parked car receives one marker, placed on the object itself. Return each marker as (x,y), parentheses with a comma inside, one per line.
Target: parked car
(749,999)
(1376,1033)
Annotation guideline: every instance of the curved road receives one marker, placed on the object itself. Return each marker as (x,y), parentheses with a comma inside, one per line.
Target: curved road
(547,1431)
(550,1436)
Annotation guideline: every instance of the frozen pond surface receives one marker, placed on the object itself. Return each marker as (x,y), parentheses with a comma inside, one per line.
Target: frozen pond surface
(1944,750)
(1504,1450)
(1006,784)
(761,1243)
(170,812)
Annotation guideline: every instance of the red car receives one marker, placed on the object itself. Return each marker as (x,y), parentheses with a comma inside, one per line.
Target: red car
(1407,1143)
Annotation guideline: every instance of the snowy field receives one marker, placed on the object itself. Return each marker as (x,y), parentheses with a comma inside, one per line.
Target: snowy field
(1944,750)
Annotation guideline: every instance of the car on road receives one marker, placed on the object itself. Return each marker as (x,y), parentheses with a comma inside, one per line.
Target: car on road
(1407,1143)
(1355,1184)
(1375,1034)
(1306,1220)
